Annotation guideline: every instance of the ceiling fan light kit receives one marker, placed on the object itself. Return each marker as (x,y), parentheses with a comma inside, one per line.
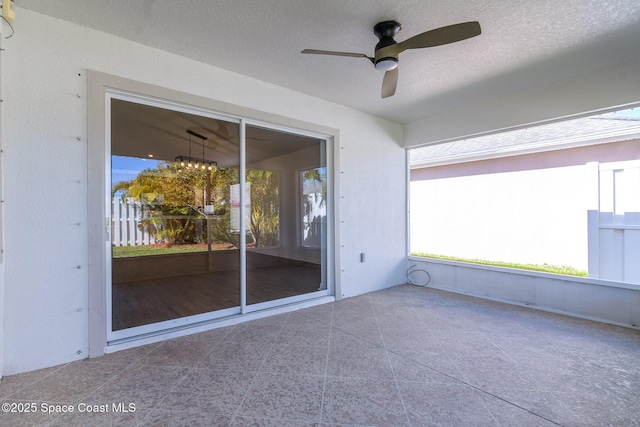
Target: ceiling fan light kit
(386,64)
(387,50)
(386,31)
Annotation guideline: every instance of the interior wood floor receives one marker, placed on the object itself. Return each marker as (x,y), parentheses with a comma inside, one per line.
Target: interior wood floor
(150,301)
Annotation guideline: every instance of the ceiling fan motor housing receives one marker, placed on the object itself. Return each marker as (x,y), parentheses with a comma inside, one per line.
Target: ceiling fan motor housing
(385,31)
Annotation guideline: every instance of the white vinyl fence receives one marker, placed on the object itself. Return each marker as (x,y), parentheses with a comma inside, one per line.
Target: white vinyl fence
(614,228)
(127,227)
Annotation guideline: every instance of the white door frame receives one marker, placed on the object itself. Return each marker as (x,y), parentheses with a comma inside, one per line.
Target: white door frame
(103,88)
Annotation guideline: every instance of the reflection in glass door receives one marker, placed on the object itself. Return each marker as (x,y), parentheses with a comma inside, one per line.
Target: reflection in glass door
(286,189)
(189,242)
(174,253)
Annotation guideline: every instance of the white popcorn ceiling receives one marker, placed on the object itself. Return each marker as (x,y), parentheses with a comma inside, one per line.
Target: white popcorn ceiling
(524,43)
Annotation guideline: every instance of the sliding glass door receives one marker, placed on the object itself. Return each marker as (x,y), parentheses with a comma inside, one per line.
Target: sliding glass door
(189,241)
(287,187)
(174,254)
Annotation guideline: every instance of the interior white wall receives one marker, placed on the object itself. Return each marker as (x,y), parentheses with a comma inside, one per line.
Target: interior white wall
(45,135)
(289,167)
(616,85)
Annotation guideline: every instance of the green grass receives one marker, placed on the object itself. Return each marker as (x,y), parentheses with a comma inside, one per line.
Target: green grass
(145,250)
(555,269)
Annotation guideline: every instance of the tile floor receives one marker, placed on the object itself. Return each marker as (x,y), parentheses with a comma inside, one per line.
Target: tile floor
(405,356)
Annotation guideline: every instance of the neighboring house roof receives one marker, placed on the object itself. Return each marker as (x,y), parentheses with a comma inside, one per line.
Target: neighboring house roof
(609,127)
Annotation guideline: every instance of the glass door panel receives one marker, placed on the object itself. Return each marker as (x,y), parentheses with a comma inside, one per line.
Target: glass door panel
(175,254)
(285,200)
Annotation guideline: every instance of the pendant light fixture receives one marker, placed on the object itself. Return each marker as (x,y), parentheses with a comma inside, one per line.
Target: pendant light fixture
(190,162)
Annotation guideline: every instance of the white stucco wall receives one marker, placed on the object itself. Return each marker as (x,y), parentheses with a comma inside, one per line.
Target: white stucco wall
(45,177)
(594,299)
(2,285)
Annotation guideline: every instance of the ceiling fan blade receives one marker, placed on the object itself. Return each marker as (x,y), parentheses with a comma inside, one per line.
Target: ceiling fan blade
(443,35)
(389,83)
(331,52)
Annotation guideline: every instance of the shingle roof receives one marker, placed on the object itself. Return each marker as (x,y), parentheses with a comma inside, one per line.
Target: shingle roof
(608,127)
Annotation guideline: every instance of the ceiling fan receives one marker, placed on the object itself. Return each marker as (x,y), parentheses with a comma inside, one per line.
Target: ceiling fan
(387,50)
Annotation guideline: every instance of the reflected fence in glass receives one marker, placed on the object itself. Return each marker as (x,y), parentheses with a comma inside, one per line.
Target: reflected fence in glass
(174,254)
(176,230)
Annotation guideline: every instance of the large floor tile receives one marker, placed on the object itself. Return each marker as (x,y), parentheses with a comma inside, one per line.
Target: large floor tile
(545,404)
(261,331)
(305,331)
(294,398)
(494,370)
(350,357)
(100,419)
(600,407)
(322,313)
(160,418)
(69,384)
(296,359)
(444,404)
(364,327)
(185,351)
(423,367)
(13,383)
(410,338)
(507,414)
(236,355)
(355,401)
(270,422)
(142,385)
(401,356)
(15,414)
(213,391)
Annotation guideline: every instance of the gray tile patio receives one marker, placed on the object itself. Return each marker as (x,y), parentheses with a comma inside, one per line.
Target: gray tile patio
(405,356)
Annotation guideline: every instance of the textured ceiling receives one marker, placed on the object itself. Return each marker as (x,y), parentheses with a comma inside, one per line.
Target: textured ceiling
(524,43)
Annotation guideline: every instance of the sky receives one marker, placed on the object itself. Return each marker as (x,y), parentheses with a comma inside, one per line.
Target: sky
(127,168)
